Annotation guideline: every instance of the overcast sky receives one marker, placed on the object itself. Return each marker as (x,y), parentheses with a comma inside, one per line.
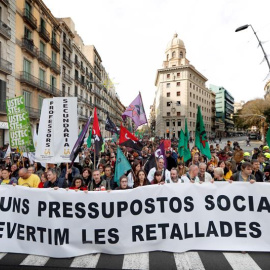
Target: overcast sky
(131,37)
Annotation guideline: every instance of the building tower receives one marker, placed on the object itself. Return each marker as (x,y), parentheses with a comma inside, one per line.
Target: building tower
(180,90)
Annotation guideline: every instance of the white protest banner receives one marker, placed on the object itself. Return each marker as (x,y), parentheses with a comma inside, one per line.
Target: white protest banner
(45,147)
(59,130)
(65,128)
(169,217)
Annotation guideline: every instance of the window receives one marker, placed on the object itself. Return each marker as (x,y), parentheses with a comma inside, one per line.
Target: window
(181,54)
(178,84)
(76,91)
(53,82)
(168,114)
(42,47)
(27,33)
(179,123)
(26,66)
(42,76)
(194,96)
(190,85)
(173,123)
(193,115)
(168,85)
(178,93)
(169,104)
(53,35)
(167,57)
(167,124)
(42,23)
(40,102)
(173,54)
(168,94)
(190,104)
(178,74)
(168,76)
(190,114)
(27,98)
(178,103)
(54,57)
(178,113)
(190,94)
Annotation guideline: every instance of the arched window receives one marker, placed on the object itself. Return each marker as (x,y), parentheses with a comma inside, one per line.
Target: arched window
(181,54)
(173,54)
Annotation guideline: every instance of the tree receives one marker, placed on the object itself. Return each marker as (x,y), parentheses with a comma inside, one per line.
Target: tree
(252,111)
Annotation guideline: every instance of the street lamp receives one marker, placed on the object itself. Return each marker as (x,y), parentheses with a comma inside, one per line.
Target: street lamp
(245,27)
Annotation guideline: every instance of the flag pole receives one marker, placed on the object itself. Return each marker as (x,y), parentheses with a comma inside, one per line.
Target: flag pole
(94,156)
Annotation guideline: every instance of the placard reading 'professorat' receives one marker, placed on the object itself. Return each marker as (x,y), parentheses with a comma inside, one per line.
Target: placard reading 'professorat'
(20,134)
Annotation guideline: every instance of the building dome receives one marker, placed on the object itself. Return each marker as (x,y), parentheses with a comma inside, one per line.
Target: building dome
(175,42)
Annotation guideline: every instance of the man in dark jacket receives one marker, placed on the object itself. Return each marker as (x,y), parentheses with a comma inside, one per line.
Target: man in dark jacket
(54,181)
(256,170)
(109,177)
(171,162)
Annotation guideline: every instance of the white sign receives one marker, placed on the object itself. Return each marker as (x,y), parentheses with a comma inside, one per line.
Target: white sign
(170,217)
(3,125)
(58,130)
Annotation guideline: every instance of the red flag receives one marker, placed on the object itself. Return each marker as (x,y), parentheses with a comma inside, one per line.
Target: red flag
(96,133)
(128,139)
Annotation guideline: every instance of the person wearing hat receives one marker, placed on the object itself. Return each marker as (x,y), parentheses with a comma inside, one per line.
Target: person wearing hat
(267,158)
(246,158)
(266,149)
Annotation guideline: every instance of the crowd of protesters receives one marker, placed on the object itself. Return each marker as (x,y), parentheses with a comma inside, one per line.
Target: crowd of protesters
(229,163)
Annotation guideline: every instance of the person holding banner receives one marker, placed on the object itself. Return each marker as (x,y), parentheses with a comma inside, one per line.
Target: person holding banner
(141,179)
(192,175)
(158,179)
(54,181)
(6,179)
(136,167)
(78,184)
(27,179)
(97,183)
(245,174)
(123,183)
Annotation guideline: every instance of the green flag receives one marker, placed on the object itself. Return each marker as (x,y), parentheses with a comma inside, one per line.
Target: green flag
(89,141)
(103,147)
(121,166)
(187,154)
(268,137)
(201,140)
(181,143)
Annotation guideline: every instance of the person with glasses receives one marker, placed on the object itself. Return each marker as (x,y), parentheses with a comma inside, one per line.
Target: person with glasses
(123,183)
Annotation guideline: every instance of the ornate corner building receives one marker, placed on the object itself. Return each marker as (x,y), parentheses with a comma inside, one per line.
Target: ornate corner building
(180,89)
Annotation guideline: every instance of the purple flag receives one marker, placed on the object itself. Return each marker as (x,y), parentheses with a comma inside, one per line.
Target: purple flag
(160,153)
(136,112)
(77,147)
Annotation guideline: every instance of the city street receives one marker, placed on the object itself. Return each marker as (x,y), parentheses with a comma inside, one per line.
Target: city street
(157,260)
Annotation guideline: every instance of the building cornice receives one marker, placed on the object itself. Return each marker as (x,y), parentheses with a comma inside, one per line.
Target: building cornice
(65,26)
(163,70)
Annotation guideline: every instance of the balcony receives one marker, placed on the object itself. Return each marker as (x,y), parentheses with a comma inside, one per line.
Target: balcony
(29,19)
(82,69)
(98,106)
(67,78)
(5,66)
(77,79)
(55,67)
(28,45)
(67,60)
(83,84)
(33,112)
(97,93)
(5,2)
(82,116)
(67,44)
(5,30)
(77,63)
(97,64)
(43,33)
(30,80)
(55,45)
(43,58)
(88,75)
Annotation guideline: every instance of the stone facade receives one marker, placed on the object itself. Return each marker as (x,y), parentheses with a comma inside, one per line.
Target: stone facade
(180,90)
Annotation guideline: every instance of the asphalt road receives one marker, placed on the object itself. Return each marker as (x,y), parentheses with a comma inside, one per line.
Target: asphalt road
(157,260)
